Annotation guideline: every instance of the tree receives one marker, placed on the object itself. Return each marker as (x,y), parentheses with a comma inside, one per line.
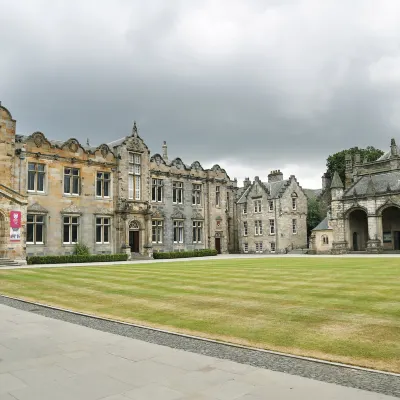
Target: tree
(314,214)
(337,162)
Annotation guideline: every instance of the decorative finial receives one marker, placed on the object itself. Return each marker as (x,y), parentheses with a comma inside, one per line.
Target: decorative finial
(134,130)
(87,141)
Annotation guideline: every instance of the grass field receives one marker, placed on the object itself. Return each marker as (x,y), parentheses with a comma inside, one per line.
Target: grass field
(338,309)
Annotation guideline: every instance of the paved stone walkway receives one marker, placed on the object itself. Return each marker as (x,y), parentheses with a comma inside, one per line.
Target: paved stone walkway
(47,359)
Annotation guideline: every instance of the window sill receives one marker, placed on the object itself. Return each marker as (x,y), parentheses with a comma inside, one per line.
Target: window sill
(34,244)
(30,192)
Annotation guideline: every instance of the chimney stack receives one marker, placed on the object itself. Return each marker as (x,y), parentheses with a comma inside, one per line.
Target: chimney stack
(165,151)
(246,183)
(275,176)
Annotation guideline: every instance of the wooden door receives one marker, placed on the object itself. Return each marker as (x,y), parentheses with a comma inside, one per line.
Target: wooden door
(218,245)
(134,241)
(355,241)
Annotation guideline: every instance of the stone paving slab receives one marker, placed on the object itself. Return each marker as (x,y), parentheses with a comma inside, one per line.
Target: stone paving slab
(64,361)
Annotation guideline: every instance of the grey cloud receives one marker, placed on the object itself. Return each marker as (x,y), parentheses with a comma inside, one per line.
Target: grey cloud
(290,92)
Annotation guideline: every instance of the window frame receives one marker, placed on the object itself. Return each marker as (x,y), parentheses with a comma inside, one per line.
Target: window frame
(197,232)
(245,228)
(258,227)
(103,226)
(257,206)
(272,226)
(72,178)
(34,225)
(134,176)
(244,208)
(36,173)
(273,244)
(102,181)
(294,226)
(70,225)
(270,205)
(245,247)
(177,189)
(179,232)
(294,203)
(157,231)
(157,190)
(196,194)
(217,196)
(259,247)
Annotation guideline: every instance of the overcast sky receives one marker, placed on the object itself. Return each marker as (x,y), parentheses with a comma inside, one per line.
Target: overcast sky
(253,85)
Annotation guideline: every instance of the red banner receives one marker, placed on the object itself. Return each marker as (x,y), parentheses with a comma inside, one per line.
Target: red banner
(15,219)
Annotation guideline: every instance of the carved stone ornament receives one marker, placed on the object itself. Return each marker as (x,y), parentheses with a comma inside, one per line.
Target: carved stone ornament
(38,139)
(103,211)
(37,208)
(71,209)
(157,214)
(158,160)
(197,216)
(134,225)
(73,146)
(104,150)
(177,215)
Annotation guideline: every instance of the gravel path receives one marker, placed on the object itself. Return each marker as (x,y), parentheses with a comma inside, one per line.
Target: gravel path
(373,381)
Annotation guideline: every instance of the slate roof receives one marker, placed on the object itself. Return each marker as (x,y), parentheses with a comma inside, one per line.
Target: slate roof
(243,197)
(117,142)
(275,189)
(323,225)
(375,184)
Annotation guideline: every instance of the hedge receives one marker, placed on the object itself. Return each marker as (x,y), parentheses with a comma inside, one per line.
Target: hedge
(186,254)
(76,258)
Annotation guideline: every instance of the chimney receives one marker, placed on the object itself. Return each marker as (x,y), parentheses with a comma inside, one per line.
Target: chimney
(326,181)
(393,148)
(275,176)
(165,151)
(246,183)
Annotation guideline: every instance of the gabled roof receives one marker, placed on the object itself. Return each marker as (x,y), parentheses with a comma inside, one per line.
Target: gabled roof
(276,189)
(243,197)
(323,225)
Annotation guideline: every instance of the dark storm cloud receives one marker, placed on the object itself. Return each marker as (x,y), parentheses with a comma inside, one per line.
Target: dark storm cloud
(256,85)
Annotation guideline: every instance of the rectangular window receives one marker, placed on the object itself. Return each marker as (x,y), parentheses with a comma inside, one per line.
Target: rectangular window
(102,230)
(272,227)
(258,228)
(196,194)
(35,229)
(157,190)
(294,226)
(271,205)
(245,208)
(72,181)
(272,247)
(36,177)
(134,187)
(259,247)
(257,206)
(177,192)
(70,229)
(103,184)
(294,203)
(246,247)
(178,231)
(245,229)
(217,196)
(197,231)
(157,231)
(228,203)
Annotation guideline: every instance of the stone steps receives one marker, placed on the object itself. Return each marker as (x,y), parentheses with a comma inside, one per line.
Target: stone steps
(6,262)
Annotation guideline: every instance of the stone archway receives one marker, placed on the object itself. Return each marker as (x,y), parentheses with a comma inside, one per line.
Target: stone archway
(391,228)
(358,230)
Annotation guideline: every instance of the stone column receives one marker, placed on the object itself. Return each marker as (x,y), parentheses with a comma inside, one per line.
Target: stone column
(374,244)
(148,244)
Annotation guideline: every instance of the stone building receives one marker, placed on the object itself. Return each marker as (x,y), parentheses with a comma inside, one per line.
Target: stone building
(272,216)
(114,198)
(365,210)
(321,238)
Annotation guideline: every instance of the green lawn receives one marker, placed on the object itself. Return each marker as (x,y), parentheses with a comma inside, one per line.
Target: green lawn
(338,309)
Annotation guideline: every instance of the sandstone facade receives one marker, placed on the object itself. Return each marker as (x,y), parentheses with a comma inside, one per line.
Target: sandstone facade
(117,197)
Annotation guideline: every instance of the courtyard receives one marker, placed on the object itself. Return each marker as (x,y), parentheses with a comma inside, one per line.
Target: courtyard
(337,309)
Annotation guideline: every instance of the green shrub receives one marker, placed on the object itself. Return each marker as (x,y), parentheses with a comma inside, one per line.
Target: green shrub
(76,258)
(186,254)
(81,249)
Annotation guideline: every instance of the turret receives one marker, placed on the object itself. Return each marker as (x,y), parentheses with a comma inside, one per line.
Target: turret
(336,187)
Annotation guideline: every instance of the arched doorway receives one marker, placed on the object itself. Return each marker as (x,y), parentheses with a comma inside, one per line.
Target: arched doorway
(3,236)
(134,236)
(358,224)
(391,228)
